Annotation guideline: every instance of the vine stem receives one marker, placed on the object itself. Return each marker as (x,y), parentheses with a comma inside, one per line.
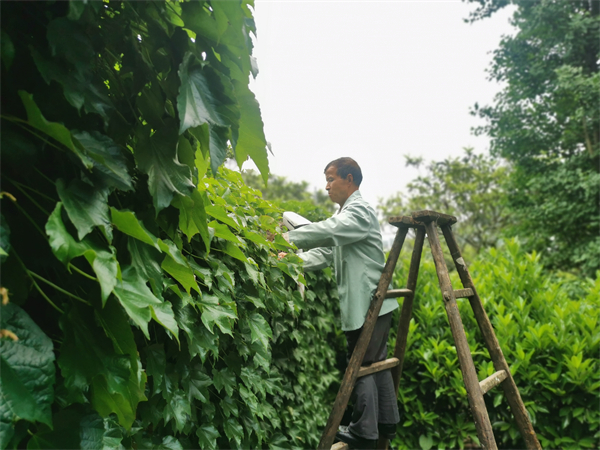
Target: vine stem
(18,186)
(31,189)
(58,288)
(44,175)
(20,208)
(20,123)
(81,272)
(38,288)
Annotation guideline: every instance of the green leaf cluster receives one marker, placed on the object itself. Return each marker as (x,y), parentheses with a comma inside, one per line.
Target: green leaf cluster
(547,327)
(469,187)
(150,308)
(545,122)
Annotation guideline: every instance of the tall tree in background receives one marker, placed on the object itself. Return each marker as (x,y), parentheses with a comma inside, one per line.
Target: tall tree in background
(468,187)
(545,122)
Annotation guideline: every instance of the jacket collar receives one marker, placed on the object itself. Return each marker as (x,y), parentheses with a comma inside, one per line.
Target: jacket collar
(354,196)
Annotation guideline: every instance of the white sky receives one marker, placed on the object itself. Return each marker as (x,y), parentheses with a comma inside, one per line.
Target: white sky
(372,80)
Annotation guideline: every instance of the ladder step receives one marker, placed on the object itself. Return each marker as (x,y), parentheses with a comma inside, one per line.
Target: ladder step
(394,293)
(378,367)
(463,293)
(492,381)
(340,446)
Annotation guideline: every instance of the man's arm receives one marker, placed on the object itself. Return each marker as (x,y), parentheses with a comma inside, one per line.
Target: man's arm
(347,227)
(317,258)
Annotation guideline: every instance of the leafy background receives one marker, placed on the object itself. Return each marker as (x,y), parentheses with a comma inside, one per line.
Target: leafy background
(143,306)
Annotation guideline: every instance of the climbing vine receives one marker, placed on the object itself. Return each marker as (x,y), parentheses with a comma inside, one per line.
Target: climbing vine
(143,306)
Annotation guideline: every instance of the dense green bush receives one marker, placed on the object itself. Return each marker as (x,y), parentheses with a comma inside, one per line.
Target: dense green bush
(227,361)
(549,336)
(144,307)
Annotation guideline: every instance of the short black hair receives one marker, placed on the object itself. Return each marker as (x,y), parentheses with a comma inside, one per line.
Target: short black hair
(345,166)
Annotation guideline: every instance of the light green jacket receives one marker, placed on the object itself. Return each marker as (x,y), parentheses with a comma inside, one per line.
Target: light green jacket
(352,241)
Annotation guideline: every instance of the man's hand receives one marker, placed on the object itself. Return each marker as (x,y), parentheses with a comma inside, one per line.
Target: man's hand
(281,255)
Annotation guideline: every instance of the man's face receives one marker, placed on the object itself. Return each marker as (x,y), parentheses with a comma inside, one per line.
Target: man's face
(339,189)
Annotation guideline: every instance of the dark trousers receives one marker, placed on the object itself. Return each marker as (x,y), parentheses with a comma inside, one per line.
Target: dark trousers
(374,396)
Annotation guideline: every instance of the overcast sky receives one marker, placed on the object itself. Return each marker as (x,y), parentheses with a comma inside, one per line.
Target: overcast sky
(373,81)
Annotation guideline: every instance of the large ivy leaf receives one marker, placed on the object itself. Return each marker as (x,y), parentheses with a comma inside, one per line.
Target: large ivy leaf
(251,139)
(136,297)
(229,407)
(215,313)
(116,326)
(55,130)
(146,261)
(225,379)
(182,273)
(233,250)
(192,216)
(65,248)
(178,266)
(86,206)
(90,360)
(109,162)
(64,433)
(106,267)
(78,88)
(163,314)
(259,329)
(202,22)
(220,213)
(207,436)
(233,430)
(196,382)
(126,222)
(218,146)
(200,340)
(26,371)
(99,433)
(156,156)
(69,40)
(179,408)
(8,50)
(196,102)
(4,239)
(222,231)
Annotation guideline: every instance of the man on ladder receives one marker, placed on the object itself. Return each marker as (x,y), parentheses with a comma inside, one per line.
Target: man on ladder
(351,239)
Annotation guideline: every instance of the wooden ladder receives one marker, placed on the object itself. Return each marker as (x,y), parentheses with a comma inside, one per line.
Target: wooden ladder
(426,222)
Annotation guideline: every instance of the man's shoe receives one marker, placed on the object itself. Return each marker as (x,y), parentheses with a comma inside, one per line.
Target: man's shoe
(356,442)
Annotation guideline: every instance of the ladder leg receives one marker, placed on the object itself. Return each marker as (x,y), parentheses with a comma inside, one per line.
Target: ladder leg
(343,395)
(510,388)
(406,313)
(405,316)
(474,393)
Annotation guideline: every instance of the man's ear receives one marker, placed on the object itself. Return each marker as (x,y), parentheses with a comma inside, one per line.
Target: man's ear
(350,178)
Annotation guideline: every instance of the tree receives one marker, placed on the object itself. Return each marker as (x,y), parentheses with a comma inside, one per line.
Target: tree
(468,187)
(545,122)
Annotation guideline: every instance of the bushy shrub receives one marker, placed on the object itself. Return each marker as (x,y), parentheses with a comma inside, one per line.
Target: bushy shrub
(549,338)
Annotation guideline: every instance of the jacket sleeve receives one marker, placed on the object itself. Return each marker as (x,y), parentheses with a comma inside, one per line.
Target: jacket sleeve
(349,226)
(317,258)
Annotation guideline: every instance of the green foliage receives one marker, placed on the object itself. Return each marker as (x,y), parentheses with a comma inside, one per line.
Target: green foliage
(549,337)
(469,187)
(545,121)
(292,196)
(143,264)
(26,371)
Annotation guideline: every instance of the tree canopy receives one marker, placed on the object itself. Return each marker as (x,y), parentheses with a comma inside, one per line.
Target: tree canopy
(545,122)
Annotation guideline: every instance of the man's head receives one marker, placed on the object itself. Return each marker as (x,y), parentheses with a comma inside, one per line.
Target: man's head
(343,178)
